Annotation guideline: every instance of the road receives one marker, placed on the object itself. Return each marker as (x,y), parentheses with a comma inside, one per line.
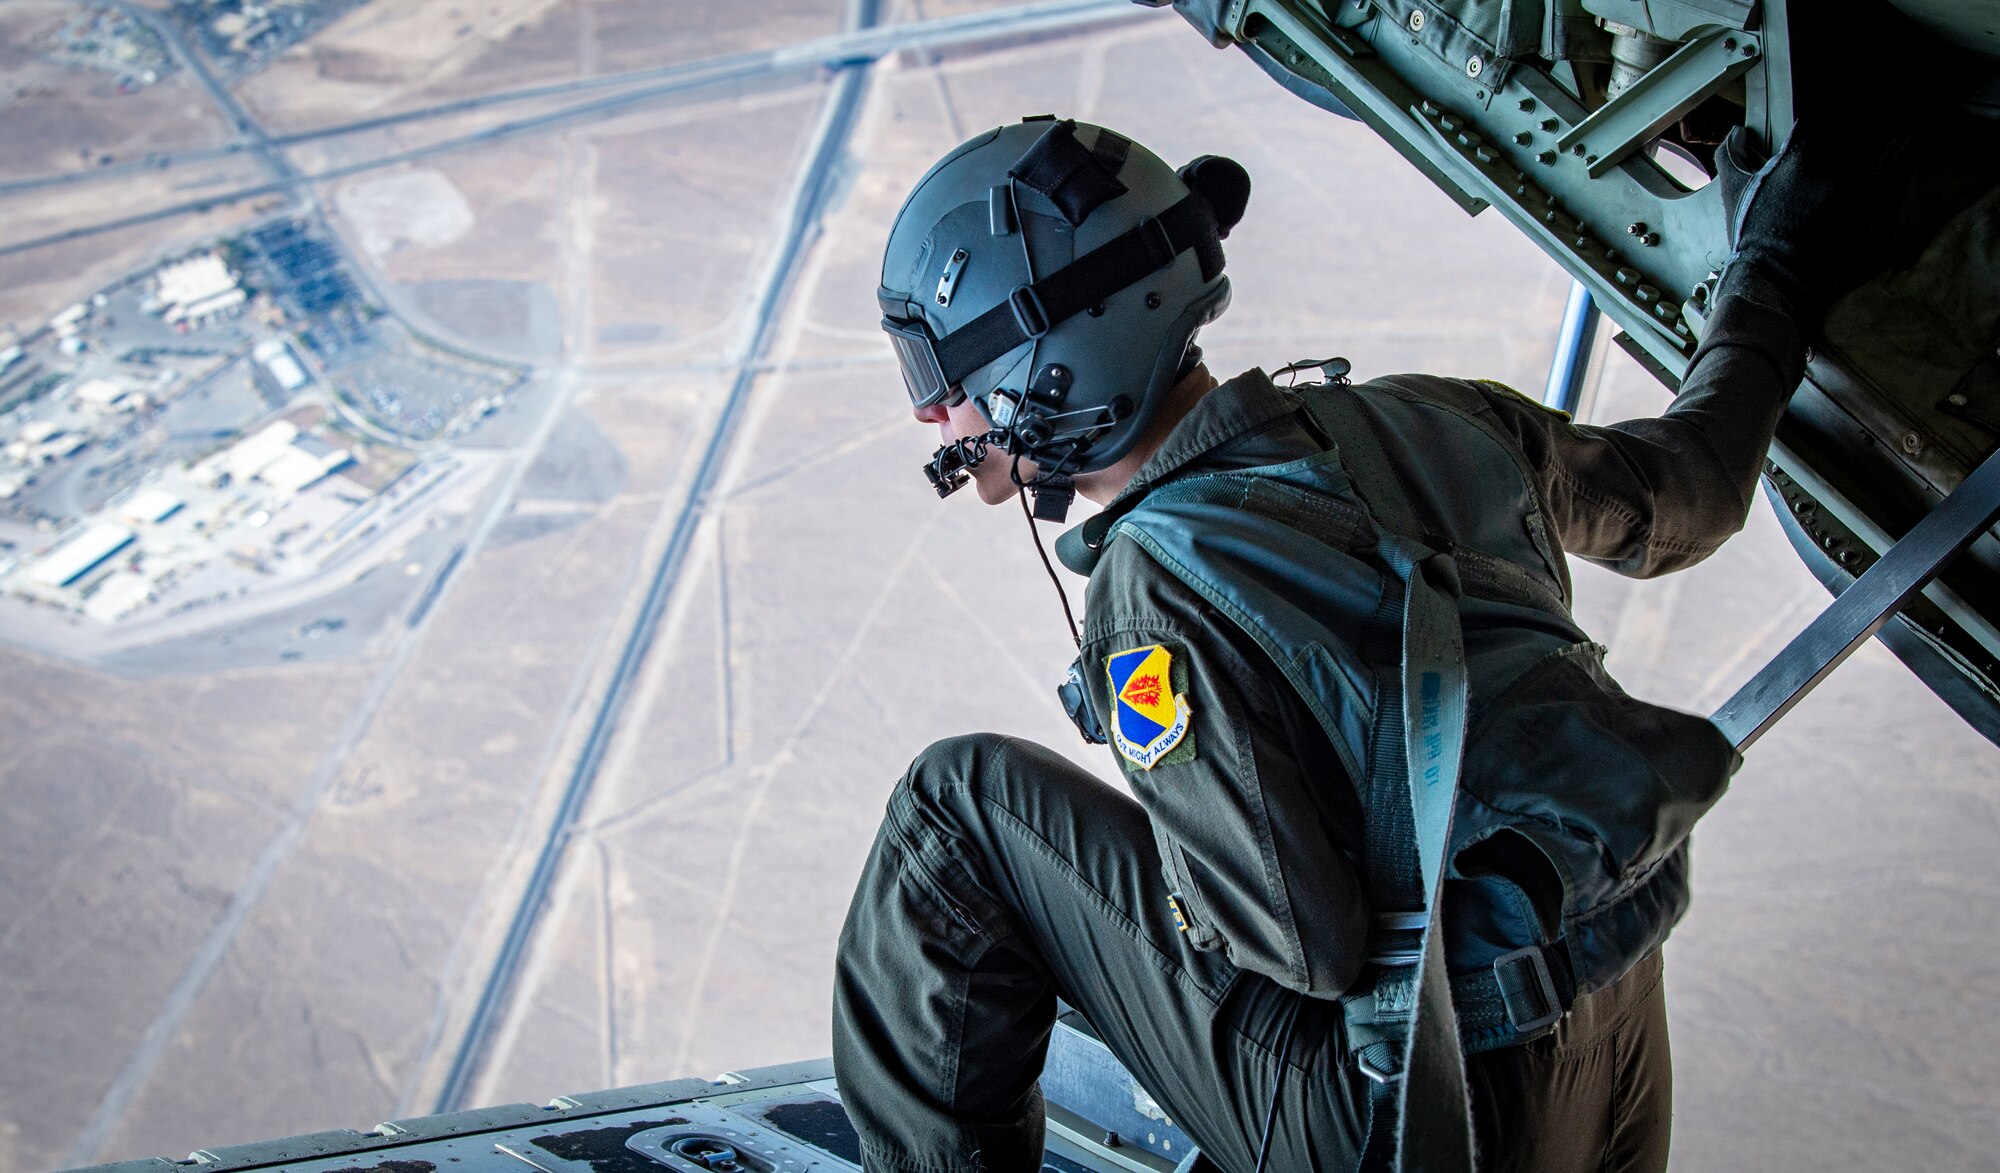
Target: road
(806,206)
(790,61)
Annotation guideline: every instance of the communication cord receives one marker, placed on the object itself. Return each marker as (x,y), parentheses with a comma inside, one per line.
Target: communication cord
(1021,495)
(1278,1084)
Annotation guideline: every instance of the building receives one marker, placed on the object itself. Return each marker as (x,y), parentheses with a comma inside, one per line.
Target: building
(70,562)
(305,462)
(121,593)
(278,456)
(248,456)
(277,359)
(198,288)
(150,506)
(105,396)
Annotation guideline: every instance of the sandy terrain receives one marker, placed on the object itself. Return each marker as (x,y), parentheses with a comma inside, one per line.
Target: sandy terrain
(383,58)
(134,811)
(672,244)
(57,118)
(415,208)
(1834,991)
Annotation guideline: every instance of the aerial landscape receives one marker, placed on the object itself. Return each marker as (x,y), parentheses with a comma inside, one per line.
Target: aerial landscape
(467,588)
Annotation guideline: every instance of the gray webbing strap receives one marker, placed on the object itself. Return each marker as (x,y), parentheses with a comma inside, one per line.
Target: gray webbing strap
(1426,1097)
(1336,410)
(1434,1117)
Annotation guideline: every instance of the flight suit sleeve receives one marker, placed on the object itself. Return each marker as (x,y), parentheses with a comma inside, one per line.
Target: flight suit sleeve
(1246,857)
(1648,496)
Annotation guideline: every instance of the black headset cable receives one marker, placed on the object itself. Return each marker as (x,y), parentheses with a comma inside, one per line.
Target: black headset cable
(1278,1084)
(1021,494)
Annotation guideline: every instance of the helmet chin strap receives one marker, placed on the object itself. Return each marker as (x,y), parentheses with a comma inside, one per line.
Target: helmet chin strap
(1053,491)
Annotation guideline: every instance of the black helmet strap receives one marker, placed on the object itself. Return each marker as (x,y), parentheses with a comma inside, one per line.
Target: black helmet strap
(1031,310)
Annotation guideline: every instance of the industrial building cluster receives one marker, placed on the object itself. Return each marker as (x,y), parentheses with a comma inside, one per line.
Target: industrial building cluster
(230,420)
(171,443)
(251,503)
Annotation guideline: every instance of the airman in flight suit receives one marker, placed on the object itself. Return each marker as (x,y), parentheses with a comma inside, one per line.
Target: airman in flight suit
(1212,925)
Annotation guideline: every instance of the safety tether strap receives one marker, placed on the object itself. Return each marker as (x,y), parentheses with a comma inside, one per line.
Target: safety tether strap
(1433,1113)
(1031,310)
(1420,1115)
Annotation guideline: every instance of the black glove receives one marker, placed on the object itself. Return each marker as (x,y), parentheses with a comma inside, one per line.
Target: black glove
(1798,220)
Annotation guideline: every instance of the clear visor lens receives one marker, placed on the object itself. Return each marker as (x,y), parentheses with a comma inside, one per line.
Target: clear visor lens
(921,374)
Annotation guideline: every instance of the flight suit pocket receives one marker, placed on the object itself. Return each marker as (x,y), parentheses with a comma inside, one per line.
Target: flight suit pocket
(1184,897)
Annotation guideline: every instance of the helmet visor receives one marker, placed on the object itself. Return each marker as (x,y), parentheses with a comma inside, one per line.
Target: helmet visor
(916,354)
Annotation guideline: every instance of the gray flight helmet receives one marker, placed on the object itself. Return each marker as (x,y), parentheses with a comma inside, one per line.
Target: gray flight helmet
(1056,273)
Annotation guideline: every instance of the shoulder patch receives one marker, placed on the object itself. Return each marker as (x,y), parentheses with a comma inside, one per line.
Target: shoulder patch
(1149,706)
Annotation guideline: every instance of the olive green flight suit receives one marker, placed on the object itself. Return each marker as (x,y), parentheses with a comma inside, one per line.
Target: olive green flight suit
(1004,877)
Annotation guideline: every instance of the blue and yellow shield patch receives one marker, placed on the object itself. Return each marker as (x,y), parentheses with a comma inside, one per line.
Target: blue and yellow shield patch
(1149,714)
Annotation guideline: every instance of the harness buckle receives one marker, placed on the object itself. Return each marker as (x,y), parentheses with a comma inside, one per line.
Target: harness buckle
(1029,312)
(1398,939)
(1527,989)
(1379,1062)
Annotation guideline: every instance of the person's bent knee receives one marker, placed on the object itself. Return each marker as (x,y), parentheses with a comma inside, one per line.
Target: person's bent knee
(951,771)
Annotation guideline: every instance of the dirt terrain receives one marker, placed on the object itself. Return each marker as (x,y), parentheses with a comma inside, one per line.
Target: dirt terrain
(383,58)
(58,118)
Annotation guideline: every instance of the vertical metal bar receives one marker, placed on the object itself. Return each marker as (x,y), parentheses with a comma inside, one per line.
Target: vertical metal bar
(1865,606)
(1573,346)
